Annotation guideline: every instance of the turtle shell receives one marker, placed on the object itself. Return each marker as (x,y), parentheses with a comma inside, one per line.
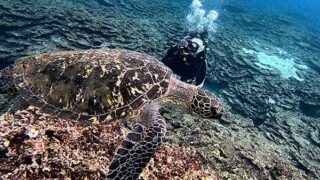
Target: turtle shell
(92,85)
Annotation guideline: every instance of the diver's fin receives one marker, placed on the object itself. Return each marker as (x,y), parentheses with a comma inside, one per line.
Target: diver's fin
(6,81)
(139,145)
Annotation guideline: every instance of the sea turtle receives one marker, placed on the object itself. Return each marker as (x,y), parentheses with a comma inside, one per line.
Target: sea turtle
(104,86)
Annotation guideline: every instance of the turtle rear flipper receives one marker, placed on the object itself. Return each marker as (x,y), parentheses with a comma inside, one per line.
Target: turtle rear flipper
(139,145)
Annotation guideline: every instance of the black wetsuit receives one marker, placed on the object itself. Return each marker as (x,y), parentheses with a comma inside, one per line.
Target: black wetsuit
(194,66)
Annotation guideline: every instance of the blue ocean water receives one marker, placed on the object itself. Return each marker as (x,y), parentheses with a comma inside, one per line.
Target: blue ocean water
(305,13)
(262,61)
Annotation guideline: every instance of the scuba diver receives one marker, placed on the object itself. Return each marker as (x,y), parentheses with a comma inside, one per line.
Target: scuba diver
(187,58)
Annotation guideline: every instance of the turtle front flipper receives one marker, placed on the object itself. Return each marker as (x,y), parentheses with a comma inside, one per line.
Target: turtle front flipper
(139,145)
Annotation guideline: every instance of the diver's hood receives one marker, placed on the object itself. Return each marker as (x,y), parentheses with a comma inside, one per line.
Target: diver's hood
(200,44)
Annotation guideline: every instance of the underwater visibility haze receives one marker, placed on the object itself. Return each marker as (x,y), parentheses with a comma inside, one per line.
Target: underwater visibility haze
(263,64)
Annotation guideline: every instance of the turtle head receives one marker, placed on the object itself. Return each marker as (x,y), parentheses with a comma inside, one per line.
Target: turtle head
(193,100)
(206,104)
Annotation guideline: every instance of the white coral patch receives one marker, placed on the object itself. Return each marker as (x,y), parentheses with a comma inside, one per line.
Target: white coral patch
(287,67)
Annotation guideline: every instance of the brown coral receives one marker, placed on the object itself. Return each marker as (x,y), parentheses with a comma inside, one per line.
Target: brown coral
(38,146)
(178,163)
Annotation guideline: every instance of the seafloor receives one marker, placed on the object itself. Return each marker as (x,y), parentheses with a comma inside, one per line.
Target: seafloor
(285,145)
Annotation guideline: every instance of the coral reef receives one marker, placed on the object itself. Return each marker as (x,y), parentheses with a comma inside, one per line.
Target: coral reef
(37,146)
(257,92)
(287,110)
(31,27)
(39,26)
(237,150)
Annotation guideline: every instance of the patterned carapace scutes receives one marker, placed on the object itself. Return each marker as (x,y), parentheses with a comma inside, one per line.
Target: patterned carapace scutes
(95,86)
